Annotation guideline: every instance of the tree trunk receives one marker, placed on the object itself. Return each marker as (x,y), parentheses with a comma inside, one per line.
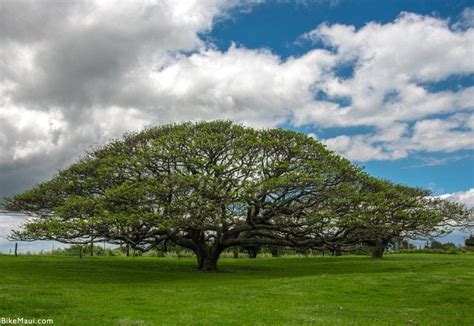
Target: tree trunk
(207,264)
(379,249)
(253,253)
(207,258)
(165,246)
(275,251)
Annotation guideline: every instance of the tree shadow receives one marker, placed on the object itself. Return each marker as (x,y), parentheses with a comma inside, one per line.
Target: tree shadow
(152,270)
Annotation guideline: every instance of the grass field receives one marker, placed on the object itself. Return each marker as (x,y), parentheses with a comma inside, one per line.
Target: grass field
(404,289)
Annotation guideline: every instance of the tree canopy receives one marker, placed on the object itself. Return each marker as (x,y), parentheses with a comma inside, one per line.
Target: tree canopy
(209,186)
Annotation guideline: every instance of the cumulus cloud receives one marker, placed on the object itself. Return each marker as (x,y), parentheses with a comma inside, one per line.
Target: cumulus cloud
(463,197)
(253,87)
(398,140)
(393,66)
(73,75)
(393,62)
(76,74)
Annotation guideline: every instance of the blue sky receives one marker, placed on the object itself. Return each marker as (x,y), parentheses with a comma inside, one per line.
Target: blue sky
(278,24)
(386,84)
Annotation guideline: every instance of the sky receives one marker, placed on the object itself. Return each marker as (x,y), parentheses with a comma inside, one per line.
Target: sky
(386,84)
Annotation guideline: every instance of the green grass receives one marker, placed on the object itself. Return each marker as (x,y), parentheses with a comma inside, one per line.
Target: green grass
(405,289)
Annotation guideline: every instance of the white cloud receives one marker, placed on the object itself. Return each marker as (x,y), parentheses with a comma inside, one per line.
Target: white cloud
(393,62)
(463,197)
(24,133)
(380,145)
(254,87)
(443,135)
(467,19)
(9,222)
(412,48)
(398,141)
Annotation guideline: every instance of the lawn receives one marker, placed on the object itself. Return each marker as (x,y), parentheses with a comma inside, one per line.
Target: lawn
(413,289)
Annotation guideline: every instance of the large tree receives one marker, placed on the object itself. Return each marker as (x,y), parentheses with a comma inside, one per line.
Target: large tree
(203,186)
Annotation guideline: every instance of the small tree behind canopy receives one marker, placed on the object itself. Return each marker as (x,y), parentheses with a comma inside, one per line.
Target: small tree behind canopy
(382,213)
(203,186)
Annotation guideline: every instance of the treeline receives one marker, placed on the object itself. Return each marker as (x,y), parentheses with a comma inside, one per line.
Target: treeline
(403,246)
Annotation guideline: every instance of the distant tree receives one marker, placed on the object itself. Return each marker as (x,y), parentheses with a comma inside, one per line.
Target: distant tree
(449,246)
(442,246)
(275,251)
(203,186)
(407,245)
(469,242)
(404,244)
(252,250)
(436,245)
